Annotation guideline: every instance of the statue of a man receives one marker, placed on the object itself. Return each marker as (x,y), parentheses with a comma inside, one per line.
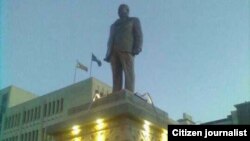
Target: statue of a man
(125,41)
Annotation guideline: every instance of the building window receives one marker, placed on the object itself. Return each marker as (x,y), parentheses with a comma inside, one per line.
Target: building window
(43,134)
(28,116)
(61,108)
(4,103)
(36,135)
(25,137)
(16,120)
(5,122)
(39,111)
(29,138)
(33,135)
(12,121)
(45,110)
(22,137)
(24,116)
(35,114)
(57,106)
(9,122)
(53,107)
(49,108)
(31,114)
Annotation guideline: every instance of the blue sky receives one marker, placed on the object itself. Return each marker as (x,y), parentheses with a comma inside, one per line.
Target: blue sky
(195,56)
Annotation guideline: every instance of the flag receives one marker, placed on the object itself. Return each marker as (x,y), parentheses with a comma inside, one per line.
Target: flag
(81,66)
(96,60)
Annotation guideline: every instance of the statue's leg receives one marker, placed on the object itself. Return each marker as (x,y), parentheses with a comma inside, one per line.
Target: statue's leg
(128,66)
(117,72)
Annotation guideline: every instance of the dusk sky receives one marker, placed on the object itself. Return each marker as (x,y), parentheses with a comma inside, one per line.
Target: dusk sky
(195,56)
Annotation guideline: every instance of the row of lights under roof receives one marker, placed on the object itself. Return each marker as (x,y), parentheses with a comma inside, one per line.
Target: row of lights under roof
(101,137)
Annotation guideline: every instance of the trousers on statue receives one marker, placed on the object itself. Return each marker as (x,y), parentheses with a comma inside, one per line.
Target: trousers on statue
(123,62)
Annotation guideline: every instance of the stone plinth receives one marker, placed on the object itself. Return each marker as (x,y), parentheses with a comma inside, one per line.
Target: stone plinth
(117,117)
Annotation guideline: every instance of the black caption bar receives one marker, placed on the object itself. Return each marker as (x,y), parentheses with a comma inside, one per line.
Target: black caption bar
(208,132)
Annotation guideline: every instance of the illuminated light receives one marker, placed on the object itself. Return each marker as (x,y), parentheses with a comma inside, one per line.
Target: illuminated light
(100,124)
(146,131)
(146,125)
(147,122)
(100,136)
(146,128)
(77,139)
(164,135)
(75,130)
(99,121)
(75,127)
(165,131)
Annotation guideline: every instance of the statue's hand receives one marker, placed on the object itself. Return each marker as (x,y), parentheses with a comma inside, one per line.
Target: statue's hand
(136,51)
(107,59)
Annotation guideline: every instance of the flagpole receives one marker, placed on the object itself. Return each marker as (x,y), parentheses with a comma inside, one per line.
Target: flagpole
(90,67)
(75,75)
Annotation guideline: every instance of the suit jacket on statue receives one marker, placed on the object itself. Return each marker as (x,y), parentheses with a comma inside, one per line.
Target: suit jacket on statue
(125,36)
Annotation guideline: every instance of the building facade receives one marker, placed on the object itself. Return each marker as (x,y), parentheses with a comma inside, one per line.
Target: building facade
(240,116)
(84,111)
(121,116)
(10,97)
(28,119)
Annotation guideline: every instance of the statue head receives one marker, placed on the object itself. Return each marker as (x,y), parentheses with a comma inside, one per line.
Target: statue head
(123,11)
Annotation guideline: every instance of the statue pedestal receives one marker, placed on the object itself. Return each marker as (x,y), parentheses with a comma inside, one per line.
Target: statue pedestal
(122,116)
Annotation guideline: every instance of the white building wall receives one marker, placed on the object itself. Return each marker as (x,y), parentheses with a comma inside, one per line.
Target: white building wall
(27,121)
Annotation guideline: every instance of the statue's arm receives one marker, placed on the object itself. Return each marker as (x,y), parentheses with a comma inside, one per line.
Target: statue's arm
(109,45)
(138,37)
